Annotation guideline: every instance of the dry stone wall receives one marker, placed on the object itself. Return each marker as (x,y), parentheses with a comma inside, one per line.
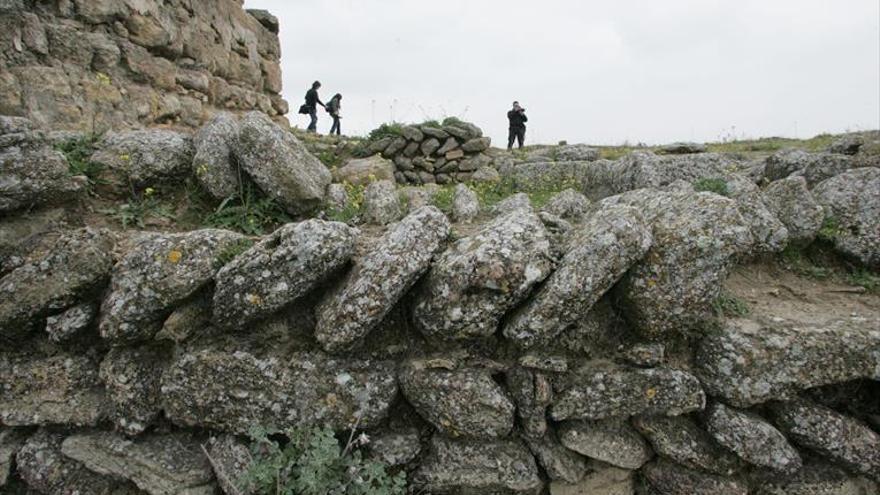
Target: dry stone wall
(567,350)
(98,65)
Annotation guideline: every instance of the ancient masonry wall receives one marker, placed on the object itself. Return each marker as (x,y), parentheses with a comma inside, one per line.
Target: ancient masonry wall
(113,64)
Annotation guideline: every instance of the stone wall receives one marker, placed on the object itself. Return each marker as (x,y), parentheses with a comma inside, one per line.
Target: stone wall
(571,349)
(114,64)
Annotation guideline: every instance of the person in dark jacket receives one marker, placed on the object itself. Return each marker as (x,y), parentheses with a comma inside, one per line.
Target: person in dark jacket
(333,108)
(312,102)
(517,130)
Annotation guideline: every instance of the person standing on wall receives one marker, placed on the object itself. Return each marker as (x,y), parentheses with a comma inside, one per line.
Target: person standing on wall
(333,107)
(517,130)
(311,106)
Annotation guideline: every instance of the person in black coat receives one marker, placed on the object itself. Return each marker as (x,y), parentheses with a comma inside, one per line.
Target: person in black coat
(517,130)
(311,106)
(333,107)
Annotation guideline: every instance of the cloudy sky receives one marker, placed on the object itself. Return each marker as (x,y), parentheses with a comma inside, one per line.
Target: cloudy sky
(587,71)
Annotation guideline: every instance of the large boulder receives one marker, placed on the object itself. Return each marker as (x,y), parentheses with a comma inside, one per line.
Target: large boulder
(842,439)
(792,203)
(158,273)
(380,278)
(576,153)
(852,208)
(680,439)
(31,172)
(214,163)
(157,464)
(813,167)
(768,232)
(604,393)
(749,362)
(482,276)
(464,467)
(49,281)
(144,157)
(603,249)
(612,441)
(63,390)
(362,171)
(459,402)
(132,377)
(697,238)
(234,391)
(280,165)
(281,268)
(752,438)
(381,203)
(44,468)
(568,204)
(667,478)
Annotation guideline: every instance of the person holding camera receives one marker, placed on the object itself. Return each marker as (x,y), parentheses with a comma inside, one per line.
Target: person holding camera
(311,106)
(518,119)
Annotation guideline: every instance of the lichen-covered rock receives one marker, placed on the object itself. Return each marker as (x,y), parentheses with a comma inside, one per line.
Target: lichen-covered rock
(158,273)
(157,464)
(462,467)
(841,439)
(214,162)
(280,165)
(476,145)
(603,249)
(532,392)
(604,393)
(395,448)
(482,276)
(380,278)
(362,171)
(768,232)
(465,204)
(752,438)
(846,145)
(560,463)
(576,153)
(412,133)
(62,389)
(697,237)
(144,157)
(792,203)
(76,265)
(511,203)
(486,174)
(601,480)
(281,268)
(231,459)
(65,325)
(817,479)
(568,204)
(648,355)
(233,391)
(45,469)
(852,207)
(749,362)
(337,197)
(188,319)
(20,234)
(460,402)
(667,478)
(680,439)
(381,203)
(11,440)
(683,148)
(612,441)
(813,167)
(132,379)
(31,172)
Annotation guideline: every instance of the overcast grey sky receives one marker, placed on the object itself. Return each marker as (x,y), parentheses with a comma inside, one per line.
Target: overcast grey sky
(588,71)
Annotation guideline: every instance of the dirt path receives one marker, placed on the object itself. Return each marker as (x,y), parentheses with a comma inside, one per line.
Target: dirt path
(772,291)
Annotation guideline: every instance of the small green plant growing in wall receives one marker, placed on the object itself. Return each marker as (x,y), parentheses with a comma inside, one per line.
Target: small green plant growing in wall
(78,152)
(313,462)
(715,185)
(352,208)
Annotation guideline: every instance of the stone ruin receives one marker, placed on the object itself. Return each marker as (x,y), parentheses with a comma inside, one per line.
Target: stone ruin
(115,64)
(567,348)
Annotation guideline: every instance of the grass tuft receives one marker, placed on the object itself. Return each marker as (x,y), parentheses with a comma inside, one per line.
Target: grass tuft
(715,185)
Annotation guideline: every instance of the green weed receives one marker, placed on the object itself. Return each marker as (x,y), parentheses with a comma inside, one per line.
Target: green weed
(249,212)
(715,185)
(142,208)
(231,251)
(730,306)
(313,462)
(352,209)
(78,152)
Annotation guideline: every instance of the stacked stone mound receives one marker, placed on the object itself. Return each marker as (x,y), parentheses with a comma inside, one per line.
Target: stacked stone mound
(116,64)
(568,350)
(428,154)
